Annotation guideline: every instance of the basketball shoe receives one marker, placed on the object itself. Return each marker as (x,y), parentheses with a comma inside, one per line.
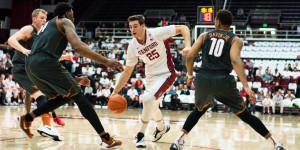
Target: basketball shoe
(24,125)
(158,134)
(177,145)
(58,121)
(140,143)
(111,143)
(279,147)
(45,130)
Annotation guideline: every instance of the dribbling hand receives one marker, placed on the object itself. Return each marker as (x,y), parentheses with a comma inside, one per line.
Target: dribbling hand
(84,81)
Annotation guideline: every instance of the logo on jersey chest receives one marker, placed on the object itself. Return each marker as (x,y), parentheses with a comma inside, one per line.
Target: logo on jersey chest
(147,48)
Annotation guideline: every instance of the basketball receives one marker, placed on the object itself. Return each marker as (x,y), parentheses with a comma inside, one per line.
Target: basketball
(117,104)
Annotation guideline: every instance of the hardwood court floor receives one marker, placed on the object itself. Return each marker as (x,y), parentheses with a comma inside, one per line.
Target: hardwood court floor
(214,131)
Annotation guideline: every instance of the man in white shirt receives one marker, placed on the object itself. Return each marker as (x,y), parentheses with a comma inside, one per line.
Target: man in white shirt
(149,45)
(132,92)
(104,81)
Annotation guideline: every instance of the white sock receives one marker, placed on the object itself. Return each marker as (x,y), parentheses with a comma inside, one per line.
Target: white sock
(273,140)
(143,127)
(180,136)
(160,125)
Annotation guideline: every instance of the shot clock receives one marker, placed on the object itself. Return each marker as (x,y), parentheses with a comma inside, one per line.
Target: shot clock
(205,14)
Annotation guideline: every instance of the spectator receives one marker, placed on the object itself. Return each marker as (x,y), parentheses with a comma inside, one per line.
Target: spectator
(89,71)
(164,22)
(101,99)
(286,73)
(277,87)
(106,92)
(88,90)
(181,45)
(140,89)
(110,39)
(293,32)
(175,102)
(249,64)
(267,77)
(290,67)
(276,74)
(175,18)
(135,101)
(289,95)
(104,81)
(139,81)
(280,32)
(267,102)
(185,91)
(295,74)
(171,90)
(182,18)
(10,89)
(103,30)
(277,101)
(240,13)
(111,55)
(2,95)
(250,104)
(132,92)
(297,66)
(260,97)
(259,74)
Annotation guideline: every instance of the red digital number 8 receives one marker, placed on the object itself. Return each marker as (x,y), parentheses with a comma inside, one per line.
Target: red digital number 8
(207,17)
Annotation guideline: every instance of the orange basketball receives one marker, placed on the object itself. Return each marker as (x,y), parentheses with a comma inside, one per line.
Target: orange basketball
(117,104)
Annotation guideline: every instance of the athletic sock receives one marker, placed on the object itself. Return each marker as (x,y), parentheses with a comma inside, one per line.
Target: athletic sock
(54,114)
(273,140)
(144,126)
(105,136)
(180,136)
(160,125)
(46,119)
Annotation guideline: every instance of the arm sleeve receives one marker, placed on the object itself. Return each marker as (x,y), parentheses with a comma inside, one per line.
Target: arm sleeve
(132,59)
(162,33)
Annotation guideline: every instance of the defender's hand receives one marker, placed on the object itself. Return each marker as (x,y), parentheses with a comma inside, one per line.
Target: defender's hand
(114,64)
(84,80)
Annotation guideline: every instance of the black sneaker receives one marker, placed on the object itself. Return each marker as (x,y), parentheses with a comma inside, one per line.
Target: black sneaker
(158,134)
(140,143)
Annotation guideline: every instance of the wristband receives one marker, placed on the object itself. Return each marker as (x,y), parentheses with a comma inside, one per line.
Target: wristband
(190,77)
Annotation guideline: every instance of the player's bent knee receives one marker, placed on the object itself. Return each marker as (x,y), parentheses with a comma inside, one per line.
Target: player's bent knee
(148,99)
(245,116)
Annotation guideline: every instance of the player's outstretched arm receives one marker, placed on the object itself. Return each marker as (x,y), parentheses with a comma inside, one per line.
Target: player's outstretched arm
(123,79)
(191,57)
(238,65)
(185,32)
(83,49)
(23,34)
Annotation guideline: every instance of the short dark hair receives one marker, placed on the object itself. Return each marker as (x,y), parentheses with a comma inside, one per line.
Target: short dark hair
(61,8)
(225,17)
(139,18)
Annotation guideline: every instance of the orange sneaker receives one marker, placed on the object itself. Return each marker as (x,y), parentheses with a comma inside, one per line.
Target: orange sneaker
(111,143)
(24,125)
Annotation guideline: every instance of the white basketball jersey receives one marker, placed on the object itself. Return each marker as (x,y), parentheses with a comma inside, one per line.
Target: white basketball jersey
(153,51)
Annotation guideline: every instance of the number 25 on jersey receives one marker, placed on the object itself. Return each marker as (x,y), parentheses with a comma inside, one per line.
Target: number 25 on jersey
(154,54)
(216,47)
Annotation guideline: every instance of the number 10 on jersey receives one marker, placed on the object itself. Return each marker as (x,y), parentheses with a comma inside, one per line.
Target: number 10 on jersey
(216,47)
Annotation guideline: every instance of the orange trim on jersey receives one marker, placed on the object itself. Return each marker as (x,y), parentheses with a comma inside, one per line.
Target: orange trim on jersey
(223,29)
(233,40)
(58,27)
(240,111)
(73,94)
(202,107)
(53,97)
(204,38)
(34,92)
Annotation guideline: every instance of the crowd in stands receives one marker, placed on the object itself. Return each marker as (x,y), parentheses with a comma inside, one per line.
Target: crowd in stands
(272,87)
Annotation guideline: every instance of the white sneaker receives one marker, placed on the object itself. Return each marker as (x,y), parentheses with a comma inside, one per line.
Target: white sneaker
(279,147)
(158,134)
(50,131)
(140,143)
(40,129)
(177,145)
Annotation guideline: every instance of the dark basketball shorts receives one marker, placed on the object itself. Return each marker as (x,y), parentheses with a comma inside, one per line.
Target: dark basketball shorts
(21,77)
(50,77)
(219,86)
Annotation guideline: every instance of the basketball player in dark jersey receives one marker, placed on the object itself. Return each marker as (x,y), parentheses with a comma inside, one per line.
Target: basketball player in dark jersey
(220,54)
(45,71)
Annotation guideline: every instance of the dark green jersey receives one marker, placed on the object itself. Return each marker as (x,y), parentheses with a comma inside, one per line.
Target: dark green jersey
(19,57)
(216,50)
(50,40)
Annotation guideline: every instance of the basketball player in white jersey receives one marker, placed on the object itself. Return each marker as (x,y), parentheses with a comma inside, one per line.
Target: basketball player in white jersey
(160,73)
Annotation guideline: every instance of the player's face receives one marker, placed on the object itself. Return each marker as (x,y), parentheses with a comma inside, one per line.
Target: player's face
(70,15)
(41,19)
(136,29)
